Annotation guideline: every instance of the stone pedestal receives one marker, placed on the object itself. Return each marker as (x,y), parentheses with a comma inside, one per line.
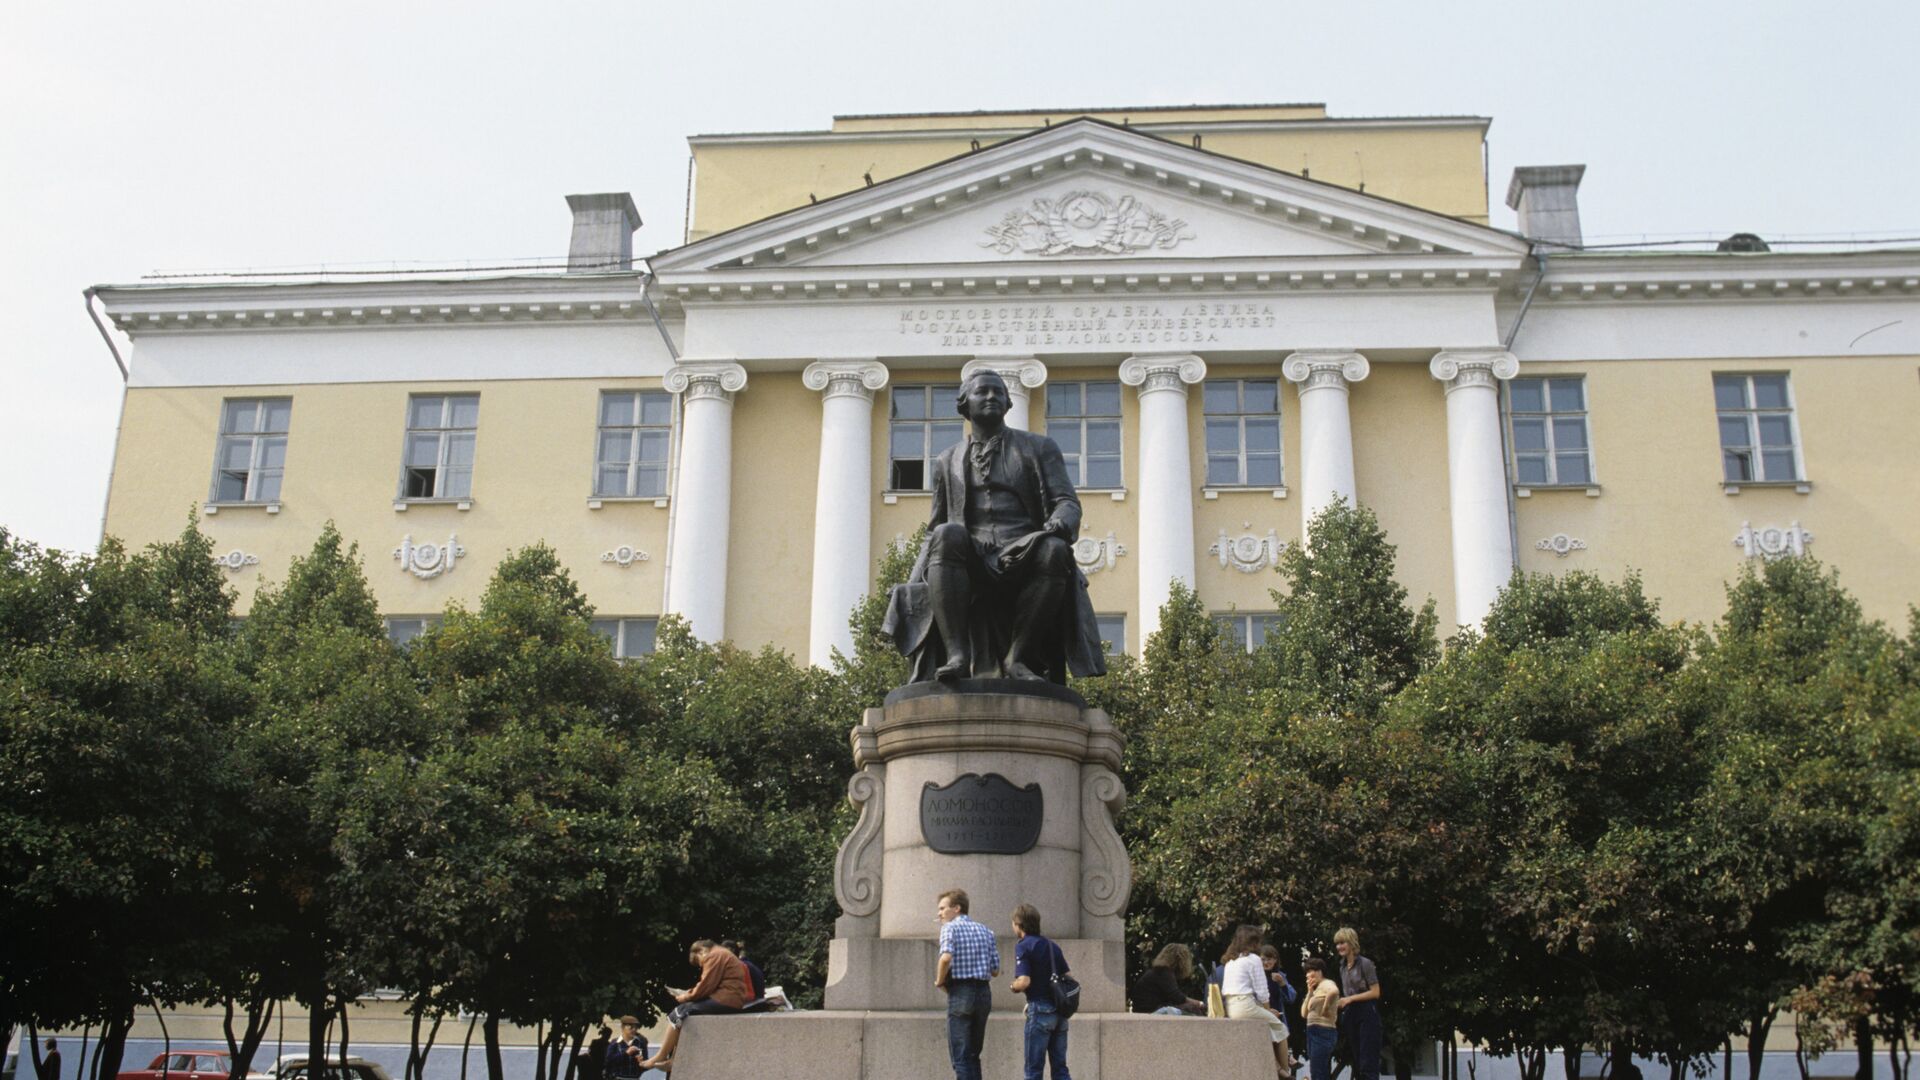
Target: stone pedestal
(889,875)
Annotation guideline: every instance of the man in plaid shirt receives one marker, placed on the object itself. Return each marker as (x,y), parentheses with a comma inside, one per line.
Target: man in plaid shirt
(969,958)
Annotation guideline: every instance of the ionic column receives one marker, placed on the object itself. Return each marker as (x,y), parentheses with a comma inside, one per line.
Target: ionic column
(843,500)
(1165,550)
(703,493)
(1476,476)
(1023,374)
(1326,429)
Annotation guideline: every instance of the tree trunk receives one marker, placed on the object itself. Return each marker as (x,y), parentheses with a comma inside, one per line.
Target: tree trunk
(1758,1025)
(317,1016)
(259,1014)
(343,1033)
(1799,1052)
(468,1045)
(85,1034)
(166,1039)
(1570,1058)
(573,1056)
(539,1051)
(490,1033)
(113,1043)
(413,1043)
(1863,1045)
(432,1034)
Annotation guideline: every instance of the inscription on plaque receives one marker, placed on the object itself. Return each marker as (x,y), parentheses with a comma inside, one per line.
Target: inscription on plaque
(981,815)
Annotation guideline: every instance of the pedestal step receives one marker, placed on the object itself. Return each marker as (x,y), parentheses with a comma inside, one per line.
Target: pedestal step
(897,973)
(913,1046)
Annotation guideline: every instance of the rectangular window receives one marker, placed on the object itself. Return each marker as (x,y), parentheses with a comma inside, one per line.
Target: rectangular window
(1243,432)
(1084,420)
(1549,417)
(635,426)
(1757,443)
(628,637)
(252,453)
(439,451)
(1113,633)
(402,630)
(1248,629)
(923,424)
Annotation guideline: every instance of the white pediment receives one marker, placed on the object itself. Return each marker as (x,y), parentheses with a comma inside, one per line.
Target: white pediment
(1088,194)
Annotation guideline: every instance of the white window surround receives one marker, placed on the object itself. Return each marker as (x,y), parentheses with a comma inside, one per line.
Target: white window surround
(633,445)
(1249,629)
(1549,441)
(249,457)
(922,422)
(1759,431)
(436,454)
(630,636)
(1084,420)
(1242,438)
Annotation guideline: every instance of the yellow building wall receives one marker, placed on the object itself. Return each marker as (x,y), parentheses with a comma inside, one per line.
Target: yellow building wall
(533,462)
(1399,417)
(776,471)
(1435,168)
(1662,511)
(1212,114)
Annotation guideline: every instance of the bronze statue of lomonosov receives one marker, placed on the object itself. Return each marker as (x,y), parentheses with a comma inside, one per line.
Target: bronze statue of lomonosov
(996,592)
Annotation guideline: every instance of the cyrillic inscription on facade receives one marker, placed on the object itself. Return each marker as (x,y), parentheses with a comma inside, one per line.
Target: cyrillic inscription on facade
(981,815)
(974,326)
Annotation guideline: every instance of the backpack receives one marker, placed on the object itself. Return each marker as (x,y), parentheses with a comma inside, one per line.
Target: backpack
(1066,988)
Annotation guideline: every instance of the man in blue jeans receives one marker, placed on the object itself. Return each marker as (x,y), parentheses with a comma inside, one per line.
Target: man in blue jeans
(1035,961)
(968,959)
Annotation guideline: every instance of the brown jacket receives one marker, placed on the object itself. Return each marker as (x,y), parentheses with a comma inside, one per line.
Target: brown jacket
(723,978)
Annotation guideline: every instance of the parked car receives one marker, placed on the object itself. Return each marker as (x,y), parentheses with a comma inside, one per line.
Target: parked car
(194,1064)
(294,1067)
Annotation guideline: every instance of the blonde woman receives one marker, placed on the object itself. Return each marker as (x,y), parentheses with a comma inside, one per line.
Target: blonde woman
(1244,985)
(1162,989)
(1359,1004)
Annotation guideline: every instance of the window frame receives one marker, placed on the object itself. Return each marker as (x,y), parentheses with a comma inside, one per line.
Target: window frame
(427,622)
(1241,415)
(618,639)
(634,462)
(1077,469)
(1239,626)
(1552,450)
(259,439)
(948,392)
(1119,647)
(441,466)
(1751,414)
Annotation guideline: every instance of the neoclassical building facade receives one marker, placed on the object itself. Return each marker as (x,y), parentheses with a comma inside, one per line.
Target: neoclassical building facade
(1226,317)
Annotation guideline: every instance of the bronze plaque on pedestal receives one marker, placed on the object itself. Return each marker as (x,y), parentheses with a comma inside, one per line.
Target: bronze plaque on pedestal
(981,815)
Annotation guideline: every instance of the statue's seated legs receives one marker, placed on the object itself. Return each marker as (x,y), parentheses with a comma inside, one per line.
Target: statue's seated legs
(1022,602)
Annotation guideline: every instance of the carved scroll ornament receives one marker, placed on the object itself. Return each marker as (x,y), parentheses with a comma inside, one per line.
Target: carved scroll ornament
(856,870)
(1085,223)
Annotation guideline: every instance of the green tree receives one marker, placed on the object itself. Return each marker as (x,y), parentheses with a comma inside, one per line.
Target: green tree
(335,713)
(114,699)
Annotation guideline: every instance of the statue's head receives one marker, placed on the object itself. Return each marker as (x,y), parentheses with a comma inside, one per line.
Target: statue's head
(977,389)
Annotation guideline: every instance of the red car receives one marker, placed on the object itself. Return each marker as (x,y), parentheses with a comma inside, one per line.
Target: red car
(184,1065)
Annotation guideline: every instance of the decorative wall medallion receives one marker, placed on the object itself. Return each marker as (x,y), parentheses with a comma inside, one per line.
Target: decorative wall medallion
(428,560)
(1248,553)
(235,560)
(1772,541)
(1561,544)
(624,556)
(1085,223)
(1095,554)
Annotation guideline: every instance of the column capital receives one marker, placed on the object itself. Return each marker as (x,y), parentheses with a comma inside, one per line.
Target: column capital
(1022,373)
(1320,369)
(845,378)
(1164,371)
(696,379)
(1463,368)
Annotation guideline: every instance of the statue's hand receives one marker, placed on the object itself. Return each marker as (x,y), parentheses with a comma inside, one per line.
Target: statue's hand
(1020,548)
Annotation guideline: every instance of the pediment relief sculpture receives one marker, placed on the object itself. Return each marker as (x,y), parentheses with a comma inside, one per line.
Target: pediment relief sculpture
(1085,223)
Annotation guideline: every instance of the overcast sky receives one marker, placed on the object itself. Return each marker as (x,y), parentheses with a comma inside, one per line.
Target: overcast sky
(142,136)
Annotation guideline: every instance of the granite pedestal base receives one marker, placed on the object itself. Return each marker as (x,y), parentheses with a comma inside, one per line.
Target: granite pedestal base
(904,852)
(894,1045)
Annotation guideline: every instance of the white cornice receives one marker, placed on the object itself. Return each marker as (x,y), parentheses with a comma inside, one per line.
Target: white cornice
(140,309)
(1078,146)
(1205,127)
(1589,278)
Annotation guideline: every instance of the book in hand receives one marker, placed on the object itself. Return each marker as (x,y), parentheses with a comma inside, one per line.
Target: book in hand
(676,991)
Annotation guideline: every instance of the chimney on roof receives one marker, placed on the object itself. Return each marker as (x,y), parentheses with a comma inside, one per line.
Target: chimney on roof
(1547,198)
(603,228)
